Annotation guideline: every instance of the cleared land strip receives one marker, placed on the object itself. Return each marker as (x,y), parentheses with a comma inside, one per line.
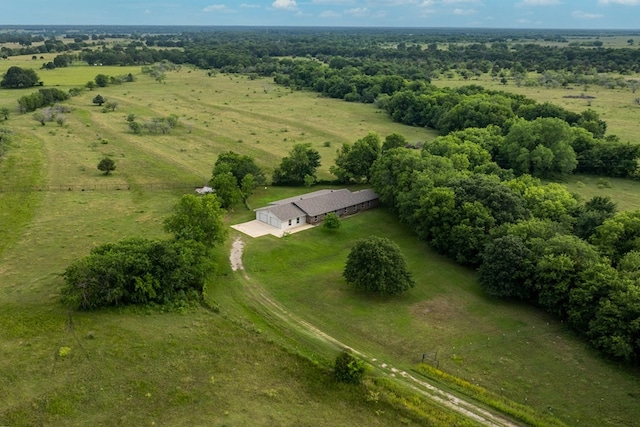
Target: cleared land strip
(278,312)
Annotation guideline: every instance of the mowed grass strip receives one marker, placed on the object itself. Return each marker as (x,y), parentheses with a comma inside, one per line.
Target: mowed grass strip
(506,347)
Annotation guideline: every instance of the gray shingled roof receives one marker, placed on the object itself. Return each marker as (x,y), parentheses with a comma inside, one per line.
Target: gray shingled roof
(318,203)
(284,212)
(300,197)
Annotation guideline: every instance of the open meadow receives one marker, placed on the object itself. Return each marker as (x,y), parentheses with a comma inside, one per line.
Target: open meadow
(224,366)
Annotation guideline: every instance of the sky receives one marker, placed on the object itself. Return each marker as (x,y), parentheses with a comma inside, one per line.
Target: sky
(570,14)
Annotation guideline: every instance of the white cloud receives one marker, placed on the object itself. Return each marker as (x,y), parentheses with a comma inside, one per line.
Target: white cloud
(463,12)
(285,4)
(427,3)
(338,2)
(391,2)
(214,8)
(329,14)
(250,6)
(623,2)
(539,3)
(578,14)
(460,1)
(358,11)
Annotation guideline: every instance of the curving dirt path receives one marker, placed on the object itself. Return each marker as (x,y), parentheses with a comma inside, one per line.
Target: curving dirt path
(277,311)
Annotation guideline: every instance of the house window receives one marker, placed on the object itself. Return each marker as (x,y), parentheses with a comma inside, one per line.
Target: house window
(361,205)
(369,203)
(315,218)
(289,222)
(298,220)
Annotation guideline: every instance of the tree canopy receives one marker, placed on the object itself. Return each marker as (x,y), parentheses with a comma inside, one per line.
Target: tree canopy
(16,78)
(107,165)
(294,169)
(376,264)
(197,218)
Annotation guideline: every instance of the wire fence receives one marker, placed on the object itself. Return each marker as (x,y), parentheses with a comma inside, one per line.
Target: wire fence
(100,187)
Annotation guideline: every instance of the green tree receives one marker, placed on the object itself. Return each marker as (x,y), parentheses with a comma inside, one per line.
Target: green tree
(226,187)
(376,264)
(197,218)
(618,235)
(17,78)
(302,161)
(101,80)
(136,271)
(4,113)
(91,85)
(395,140)
(239,166)
(353,163)
(507,268)
(98,100)
(541,147)
(107,165)
(331,221)
(247,186)
(348,369)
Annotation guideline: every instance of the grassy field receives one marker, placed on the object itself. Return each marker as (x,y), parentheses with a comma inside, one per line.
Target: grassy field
(203,368)
(140,368)
(506,347)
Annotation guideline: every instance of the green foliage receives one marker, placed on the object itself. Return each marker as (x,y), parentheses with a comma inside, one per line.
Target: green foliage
(4,113)
(301,162)
(376,264)
(17,78)
(239,166)
(101,80)
(331,221)
(507,268)
(348,369)
(618,235)
(226,187)
(197,218)
(42,98)
(353,163)
(541,147)
(136,271)
(395,140)
(98,100)
(107,165)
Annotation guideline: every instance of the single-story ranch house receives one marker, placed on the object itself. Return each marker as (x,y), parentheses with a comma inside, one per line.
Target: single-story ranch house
(312,207)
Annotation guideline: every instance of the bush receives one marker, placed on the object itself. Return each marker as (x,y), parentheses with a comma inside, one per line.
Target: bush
(348,369)
(331,221)
(136,271)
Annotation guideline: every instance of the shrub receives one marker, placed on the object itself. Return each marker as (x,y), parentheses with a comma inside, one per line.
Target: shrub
(348,369)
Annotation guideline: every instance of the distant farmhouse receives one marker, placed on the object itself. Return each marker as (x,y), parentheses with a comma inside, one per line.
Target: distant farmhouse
(311,208)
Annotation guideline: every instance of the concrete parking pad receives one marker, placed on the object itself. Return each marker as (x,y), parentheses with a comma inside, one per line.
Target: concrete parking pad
(256,228)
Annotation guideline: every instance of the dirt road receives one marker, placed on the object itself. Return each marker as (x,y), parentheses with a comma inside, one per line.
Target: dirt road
(259,295)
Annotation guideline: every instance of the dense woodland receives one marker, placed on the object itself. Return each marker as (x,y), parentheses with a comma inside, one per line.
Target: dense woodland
(475,192)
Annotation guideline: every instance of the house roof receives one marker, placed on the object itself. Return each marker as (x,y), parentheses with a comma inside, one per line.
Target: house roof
(318,203)
(284,212)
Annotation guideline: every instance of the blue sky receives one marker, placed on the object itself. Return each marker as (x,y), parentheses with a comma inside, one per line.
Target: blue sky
(582,14)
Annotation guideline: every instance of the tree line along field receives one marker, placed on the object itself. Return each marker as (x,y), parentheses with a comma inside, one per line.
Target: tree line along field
(264,120)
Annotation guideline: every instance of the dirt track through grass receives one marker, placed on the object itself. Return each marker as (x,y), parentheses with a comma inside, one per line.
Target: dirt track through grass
(258,294)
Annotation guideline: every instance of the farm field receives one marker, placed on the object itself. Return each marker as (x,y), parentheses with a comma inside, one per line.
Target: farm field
(202,368)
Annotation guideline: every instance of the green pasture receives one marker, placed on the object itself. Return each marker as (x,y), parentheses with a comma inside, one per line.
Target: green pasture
(216,369)
(511,349)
